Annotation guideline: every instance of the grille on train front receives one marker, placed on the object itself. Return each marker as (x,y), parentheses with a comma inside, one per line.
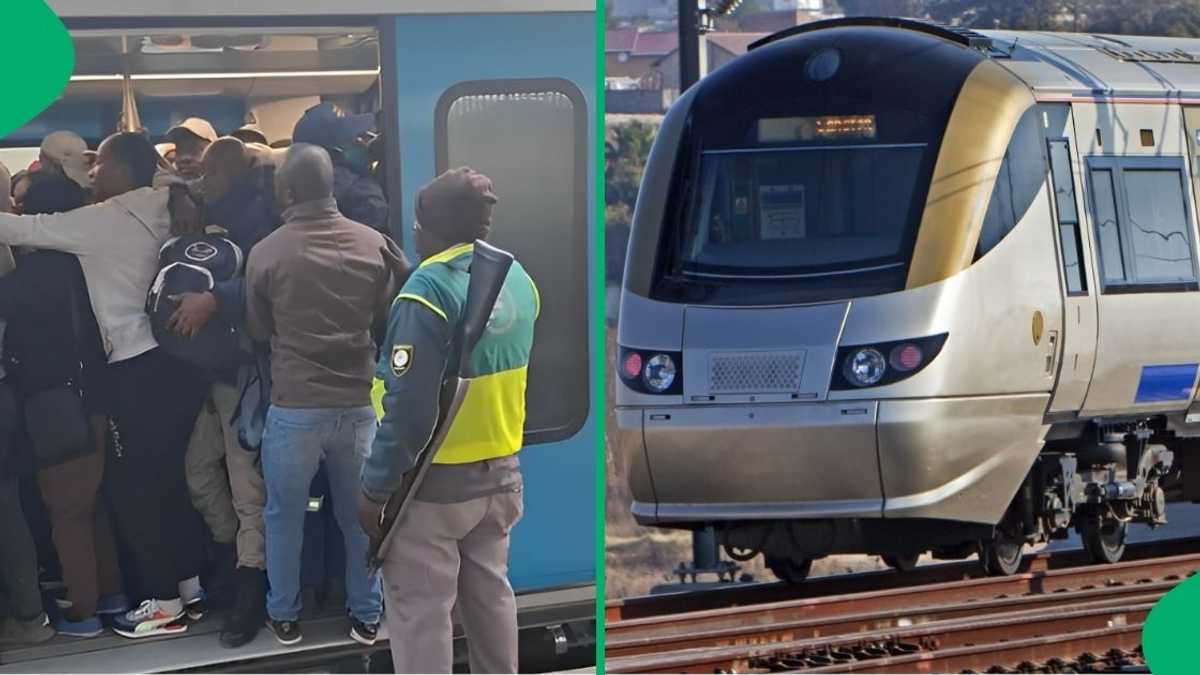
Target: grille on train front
(755,372)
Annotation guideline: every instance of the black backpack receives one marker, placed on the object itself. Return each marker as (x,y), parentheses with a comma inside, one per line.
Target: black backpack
(195,263)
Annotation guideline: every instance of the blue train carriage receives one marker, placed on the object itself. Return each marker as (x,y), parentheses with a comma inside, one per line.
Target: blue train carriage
(504,87)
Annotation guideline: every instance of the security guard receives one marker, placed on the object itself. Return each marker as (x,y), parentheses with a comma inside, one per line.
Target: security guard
(451,544)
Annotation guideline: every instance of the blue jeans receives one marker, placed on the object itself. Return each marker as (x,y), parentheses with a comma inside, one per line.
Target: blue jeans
(295,441)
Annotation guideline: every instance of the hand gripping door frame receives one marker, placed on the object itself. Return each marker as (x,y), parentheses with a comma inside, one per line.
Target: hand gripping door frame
(489,269)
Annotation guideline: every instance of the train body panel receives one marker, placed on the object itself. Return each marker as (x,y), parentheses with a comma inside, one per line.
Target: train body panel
(1018,285)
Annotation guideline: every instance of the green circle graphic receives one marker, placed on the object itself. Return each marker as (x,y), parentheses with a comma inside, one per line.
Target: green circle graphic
(1170,628)
(41,57)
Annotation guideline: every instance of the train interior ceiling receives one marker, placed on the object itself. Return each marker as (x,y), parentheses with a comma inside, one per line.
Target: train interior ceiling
(228,75)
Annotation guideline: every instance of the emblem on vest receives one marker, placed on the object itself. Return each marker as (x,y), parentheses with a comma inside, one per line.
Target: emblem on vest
(401,359)
(200,251)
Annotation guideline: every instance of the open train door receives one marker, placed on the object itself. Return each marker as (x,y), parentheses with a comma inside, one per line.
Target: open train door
(511,94)
(1075,264)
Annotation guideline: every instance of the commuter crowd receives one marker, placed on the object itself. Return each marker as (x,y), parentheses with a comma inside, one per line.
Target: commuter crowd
(190,333)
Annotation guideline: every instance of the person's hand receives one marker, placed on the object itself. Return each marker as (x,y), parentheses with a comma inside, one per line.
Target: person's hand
(369,513)
(193,314)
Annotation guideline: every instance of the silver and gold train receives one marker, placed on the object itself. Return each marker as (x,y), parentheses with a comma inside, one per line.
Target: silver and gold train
(896,288)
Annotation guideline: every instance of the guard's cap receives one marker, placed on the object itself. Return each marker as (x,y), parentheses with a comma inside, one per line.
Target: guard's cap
(457,205)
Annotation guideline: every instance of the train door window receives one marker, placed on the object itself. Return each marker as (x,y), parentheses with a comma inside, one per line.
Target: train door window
(1021,176)
(530,138)
(1143,226)
(1104,198)
(1068,216)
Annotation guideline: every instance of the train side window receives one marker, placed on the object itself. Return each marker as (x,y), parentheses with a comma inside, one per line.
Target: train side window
(530,137)
(1108,228)
(1068,216)
(1021,176)
(1158,232)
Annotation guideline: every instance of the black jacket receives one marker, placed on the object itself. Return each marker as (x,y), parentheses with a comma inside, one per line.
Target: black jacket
(41,347)
(248,214)
(360,198)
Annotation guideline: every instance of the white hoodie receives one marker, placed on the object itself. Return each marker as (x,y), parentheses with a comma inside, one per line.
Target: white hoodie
(117,242)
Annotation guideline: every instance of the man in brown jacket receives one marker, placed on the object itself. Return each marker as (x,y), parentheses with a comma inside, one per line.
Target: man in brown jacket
(314,289)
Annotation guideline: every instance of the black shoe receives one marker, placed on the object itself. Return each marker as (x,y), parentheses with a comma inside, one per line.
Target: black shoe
(286,632)
(221,580)
(249,610)
(363,633)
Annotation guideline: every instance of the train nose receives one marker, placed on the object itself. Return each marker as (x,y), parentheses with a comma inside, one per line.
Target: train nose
(760,355)
(756,437)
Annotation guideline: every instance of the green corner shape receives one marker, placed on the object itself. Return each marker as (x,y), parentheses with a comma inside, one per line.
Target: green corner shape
(1169,630)
(37,40)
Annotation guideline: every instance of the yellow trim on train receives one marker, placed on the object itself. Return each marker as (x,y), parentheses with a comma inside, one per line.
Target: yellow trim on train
(988,108)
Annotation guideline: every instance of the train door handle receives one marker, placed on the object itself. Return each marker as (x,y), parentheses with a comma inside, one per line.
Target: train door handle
(1052,345)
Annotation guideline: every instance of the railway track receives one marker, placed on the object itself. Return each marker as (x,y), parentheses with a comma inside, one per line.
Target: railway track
(1059,616)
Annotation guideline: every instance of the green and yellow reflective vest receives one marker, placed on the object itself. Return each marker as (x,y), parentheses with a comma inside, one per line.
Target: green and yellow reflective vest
(421,327)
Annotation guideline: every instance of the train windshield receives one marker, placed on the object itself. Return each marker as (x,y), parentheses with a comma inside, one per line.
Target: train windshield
(803,213)
(802,169)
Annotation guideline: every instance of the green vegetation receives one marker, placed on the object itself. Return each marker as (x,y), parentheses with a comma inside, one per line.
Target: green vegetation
(1178,18)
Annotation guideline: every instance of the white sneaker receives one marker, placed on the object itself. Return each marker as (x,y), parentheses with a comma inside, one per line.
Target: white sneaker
(150,618)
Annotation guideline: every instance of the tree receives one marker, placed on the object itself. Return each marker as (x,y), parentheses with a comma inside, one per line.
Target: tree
(626,148)
(1022,15)
(910,8)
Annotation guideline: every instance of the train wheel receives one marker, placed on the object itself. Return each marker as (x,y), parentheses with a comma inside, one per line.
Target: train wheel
(1105,545)
(901,562)
(1001,557)
(791,570)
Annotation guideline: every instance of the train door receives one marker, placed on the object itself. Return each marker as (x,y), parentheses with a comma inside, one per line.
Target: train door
(511,95)
(1079,301)
(1143,222)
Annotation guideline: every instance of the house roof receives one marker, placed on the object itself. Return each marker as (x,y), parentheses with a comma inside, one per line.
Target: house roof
(644,43)
(734,43)
(621,40)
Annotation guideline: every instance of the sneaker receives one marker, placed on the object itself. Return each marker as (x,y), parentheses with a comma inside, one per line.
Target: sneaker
(195,608)
(27,632)
(116,603)
(286,632)
(149,619)
(85,628)
(364,633)
(63,604)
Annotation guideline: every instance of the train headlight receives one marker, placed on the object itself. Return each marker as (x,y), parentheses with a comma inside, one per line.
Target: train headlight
(651,371)
(659,373)
(865,367)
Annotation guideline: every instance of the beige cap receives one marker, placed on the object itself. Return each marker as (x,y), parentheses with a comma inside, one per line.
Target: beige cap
(250,133)
(195,126)
(69,151)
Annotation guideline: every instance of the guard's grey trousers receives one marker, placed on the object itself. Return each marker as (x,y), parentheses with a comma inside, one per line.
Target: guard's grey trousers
(447,553)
